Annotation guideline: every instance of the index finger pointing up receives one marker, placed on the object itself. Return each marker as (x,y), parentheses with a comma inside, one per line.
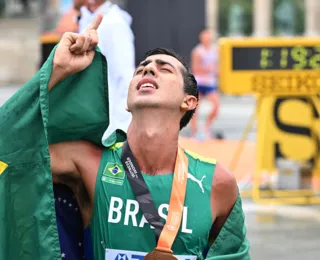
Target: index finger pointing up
(96,22)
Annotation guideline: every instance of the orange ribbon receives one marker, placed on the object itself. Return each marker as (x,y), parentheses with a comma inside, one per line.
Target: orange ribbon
(178,192)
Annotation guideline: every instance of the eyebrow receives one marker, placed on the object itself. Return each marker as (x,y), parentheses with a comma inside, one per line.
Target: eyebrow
(157,61)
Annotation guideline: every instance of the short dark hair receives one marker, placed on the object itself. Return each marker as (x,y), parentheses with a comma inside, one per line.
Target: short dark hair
(190,83)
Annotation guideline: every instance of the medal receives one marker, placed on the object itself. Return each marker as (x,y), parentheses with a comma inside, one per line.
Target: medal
(160,255)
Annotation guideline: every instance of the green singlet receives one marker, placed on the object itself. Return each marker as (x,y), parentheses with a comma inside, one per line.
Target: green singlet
(119,229)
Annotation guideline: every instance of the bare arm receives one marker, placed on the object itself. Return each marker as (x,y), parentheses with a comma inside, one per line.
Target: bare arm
(223,197)
(58,74)
(76,165)
(74,159)
(63,158)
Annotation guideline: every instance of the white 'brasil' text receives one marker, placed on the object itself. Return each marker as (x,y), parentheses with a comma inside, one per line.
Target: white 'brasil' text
(132,209)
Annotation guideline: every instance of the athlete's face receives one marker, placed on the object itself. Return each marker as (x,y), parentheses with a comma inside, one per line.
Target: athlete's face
(157,83)
(206,37)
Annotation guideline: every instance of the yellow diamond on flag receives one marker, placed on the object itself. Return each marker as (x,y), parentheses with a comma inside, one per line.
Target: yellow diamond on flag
(3,166)
(115,170)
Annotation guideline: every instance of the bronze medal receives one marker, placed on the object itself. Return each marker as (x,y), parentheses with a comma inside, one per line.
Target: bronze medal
(160,255)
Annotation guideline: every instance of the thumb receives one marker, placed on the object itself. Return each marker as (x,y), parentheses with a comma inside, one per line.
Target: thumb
(90,54)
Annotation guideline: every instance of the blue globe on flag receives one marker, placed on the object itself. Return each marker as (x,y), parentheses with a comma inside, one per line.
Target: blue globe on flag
(115,170)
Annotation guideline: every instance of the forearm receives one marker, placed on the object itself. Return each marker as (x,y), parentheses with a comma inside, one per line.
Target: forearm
(57,75)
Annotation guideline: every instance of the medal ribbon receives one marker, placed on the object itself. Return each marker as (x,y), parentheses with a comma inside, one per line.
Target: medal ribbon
(165,234)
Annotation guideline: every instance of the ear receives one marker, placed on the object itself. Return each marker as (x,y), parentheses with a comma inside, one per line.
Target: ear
(189,103)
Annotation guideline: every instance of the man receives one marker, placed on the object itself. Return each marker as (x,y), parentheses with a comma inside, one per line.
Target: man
(204,65)
(162,98)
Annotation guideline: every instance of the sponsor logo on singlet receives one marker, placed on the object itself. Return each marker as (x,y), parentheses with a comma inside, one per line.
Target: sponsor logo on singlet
(199,182)
(114,254)
(130,216)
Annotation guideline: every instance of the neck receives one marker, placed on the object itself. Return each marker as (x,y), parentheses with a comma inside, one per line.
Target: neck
(153,139)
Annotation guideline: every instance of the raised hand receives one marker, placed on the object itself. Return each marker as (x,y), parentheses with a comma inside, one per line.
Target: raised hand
(75,52)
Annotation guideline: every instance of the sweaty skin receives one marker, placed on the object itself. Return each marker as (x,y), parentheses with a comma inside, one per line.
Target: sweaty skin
(153,132)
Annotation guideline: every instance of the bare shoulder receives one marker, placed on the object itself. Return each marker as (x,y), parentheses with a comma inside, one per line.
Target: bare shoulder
(224,191)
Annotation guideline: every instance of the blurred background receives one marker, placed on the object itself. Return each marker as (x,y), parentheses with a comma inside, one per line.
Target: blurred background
(276,229)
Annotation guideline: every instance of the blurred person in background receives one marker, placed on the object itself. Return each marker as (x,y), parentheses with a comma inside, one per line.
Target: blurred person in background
(69,20)
(68,12)
(116,42)
(204,65)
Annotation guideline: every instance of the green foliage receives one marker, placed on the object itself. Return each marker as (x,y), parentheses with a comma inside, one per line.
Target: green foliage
(247,5)
(300,16)
(224,5)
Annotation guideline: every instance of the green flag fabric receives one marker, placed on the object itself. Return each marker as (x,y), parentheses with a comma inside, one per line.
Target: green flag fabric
(232,243)
(77,108)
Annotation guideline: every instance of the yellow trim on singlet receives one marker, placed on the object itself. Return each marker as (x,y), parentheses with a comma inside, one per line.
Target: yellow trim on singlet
(201,158)
(192,154)
(116,146)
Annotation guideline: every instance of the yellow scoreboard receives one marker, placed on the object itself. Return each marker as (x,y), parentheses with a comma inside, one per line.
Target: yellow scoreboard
(270,66)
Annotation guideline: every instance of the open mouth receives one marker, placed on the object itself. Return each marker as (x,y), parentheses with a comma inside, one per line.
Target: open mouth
(147,84)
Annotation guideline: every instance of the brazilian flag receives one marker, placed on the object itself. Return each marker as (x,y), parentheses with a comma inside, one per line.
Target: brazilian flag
(77,108)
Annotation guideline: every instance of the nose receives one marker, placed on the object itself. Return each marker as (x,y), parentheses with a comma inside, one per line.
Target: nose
(150,69)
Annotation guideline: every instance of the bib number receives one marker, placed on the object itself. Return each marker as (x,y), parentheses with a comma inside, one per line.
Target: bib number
(114,254)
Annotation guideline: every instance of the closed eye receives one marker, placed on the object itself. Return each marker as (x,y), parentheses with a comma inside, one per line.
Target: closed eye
(166,69)
(139,71)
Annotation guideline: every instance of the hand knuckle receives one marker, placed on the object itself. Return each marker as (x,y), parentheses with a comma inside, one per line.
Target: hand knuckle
(65,35)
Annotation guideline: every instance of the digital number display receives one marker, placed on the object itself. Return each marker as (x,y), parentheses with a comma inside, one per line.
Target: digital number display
(276,58)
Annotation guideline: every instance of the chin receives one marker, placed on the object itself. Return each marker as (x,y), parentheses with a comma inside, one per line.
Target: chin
(141,105)
(145,102)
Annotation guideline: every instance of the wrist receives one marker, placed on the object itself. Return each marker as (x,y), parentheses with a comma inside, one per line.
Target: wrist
(60,71)
(58,74)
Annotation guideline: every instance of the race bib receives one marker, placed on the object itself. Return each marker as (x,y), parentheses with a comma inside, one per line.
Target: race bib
(114,254)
